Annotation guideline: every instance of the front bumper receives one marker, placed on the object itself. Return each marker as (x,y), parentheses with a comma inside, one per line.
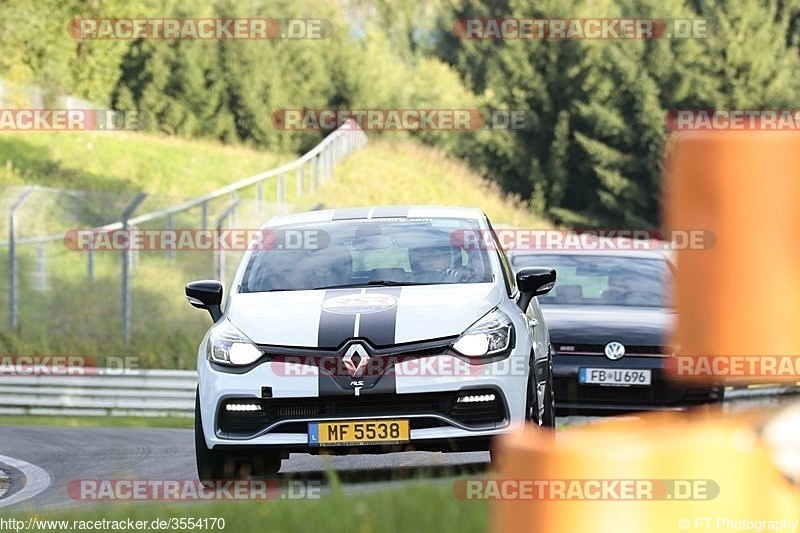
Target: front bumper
(664,393)
(436,420)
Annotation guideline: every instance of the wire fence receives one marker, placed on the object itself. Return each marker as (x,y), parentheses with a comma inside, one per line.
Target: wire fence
(54,285)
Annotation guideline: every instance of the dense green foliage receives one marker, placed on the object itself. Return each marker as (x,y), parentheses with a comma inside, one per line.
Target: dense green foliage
(592,149)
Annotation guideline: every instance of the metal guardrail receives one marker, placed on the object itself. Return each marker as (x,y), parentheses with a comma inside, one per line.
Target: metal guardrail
(154,393)
(101,392)
(309,170)
(319,160)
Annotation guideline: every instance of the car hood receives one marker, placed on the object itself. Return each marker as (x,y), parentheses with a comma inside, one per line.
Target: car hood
(634,326)
(382,315)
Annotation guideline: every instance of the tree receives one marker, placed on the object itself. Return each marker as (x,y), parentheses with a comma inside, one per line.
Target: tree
(593,151)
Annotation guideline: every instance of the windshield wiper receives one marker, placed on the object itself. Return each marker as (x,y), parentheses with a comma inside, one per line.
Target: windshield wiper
(390,283)
(374,283)
(342,286)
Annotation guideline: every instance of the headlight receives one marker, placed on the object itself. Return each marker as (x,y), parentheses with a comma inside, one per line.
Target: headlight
(229,346)
(488,336)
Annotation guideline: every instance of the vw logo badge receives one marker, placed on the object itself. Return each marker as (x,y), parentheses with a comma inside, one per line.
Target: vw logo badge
(614,350)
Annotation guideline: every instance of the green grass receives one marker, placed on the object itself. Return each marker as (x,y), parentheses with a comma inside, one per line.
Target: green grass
(98,421)
(416,506)
(402,173)
(73,316)
(125,162)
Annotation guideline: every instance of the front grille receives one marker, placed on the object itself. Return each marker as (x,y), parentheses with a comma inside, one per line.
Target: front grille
(599,349)
(478,413)
(442,404)
(658,393)
(410,349)
(569,391)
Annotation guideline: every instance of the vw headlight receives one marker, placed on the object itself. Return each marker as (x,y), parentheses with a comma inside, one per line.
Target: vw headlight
(491,335)
(229,346)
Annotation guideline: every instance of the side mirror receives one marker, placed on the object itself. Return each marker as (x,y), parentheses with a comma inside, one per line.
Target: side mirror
(206,294)
(534,281)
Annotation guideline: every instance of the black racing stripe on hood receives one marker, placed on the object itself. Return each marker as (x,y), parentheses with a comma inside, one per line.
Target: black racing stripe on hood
(380,328)
(377,328)
(334,328)
(349,213)
(390,211)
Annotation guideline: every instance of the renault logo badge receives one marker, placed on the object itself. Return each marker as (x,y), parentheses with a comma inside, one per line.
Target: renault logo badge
(356,368)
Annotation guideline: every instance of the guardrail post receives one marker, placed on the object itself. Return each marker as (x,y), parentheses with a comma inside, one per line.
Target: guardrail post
(259,196)
(281,192)
(332,155)
(90,264)
(235,201)
(126,268)
(323,160)
(329,161)
(134,252)
(204,215)
(13,318)
(169,229)
(219,252)
(299,181)
(313,167)
(41,271)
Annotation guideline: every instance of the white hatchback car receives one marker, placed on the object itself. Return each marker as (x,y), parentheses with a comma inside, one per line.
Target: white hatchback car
(376,328)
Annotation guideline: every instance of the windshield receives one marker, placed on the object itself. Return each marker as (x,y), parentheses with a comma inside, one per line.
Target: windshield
(353,253)
(603,280)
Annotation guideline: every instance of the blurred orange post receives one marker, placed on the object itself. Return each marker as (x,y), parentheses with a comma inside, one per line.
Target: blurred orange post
(740,298)
(684,469)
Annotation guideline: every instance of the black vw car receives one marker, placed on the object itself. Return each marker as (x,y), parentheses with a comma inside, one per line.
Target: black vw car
(609,320)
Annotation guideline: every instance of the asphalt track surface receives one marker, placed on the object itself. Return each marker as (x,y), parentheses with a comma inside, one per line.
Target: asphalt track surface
(41,461)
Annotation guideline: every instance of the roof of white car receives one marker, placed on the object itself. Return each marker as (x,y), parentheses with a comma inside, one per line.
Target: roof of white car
(376,212)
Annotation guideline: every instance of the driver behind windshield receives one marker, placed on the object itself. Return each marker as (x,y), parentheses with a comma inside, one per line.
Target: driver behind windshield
(433,264)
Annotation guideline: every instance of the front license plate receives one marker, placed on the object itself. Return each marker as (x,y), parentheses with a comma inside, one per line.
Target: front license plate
(358,432)
(617,377)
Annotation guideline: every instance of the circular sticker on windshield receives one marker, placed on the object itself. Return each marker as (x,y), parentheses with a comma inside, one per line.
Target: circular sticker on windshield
(359,303)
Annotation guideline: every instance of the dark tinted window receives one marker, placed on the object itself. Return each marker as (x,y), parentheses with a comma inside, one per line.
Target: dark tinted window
(603,280)
(404,251)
